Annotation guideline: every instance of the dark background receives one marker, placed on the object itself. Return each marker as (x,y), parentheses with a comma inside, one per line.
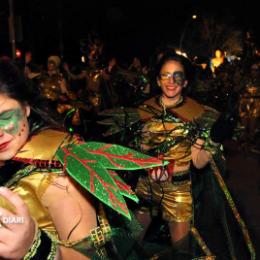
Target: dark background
(128,28)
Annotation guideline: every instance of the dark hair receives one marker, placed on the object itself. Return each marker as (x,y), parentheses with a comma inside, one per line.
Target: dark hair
(12,82)
(186,64)
(14,85)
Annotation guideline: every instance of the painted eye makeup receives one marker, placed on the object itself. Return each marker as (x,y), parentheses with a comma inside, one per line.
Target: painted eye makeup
(177,76)
(6,115)
(9,120)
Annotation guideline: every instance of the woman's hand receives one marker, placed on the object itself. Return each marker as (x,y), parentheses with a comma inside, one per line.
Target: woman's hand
(200,157)
(17,229)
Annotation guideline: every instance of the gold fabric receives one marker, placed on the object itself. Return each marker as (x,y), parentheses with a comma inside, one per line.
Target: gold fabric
(4,203)
(189,110)
(154,133)
(174,200)
(50,86)
(42,146)
(30,189)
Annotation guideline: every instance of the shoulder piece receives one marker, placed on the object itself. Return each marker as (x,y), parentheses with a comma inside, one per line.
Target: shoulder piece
(189,110)
(150,108)
(43,146)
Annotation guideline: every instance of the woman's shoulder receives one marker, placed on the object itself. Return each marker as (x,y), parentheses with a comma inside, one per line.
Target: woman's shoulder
(188,110)
(44,144)
(149,109)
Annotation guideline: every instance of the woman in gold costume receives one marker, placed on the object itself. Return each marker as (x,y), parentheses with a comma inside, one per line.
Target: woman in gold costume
(57,188)
(177,129)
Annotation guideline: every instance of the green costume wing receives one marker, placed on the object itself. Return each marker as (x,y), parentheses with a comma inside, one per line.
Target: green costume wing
(89,164)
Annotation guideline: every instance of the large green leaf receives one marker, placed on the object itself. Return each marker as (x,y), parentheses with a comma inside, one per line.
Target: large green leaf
(125,189)
(88,163)
(93,177)
(118,157)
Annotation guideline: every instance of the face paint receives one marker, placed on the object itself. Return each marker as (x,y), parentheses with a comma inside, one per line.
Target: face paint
(9,121)
(177,76)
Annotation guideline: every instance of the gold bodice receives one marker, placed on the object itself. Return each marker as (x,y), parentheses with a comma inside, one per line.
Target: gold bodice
(155,133)
(31,188)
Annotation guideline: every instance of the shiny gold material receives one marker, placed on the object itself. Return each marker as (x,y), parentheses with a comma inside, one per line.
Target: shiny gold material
(189,110)
(50,86)
(4,203)
(38,148)
(175,201)
(32,187)
(202,244)
(155,133)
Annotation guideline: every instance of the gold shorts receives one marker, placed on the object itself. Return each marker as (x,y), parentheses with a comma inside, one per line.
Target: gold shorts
(174,199)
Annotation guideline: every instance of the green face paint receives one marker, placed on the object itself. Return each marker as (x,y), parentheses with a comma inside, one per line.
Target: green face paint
(9,120)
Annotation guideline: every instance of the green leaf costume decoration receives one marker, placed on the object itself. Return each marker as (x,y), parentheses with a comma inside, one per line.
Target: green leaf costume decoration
(90,164)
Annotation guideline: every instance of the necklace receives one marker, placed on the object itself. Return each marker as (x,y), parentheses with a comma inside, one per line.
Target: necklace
(171,106)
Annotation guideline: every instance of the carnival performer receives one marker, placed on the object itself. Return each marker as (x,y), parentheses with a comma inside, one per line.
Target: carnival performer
(53,84)
(57,189)
(176,128)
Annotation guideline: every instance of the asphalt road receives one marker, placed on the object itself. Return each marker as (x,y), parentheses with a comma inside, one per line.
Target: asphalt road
(244,182)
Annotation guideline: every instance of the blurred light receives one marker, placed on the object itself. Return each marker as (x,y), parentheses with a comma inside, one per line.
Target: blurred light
(217,60)
(204,65)
(257,52)
(194,16)
(18,54)
(185,54)
(83,59)
(179,52)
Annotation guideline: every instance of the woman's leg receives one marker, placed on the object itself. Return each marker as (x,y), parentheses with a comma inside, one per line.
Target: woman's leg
(179,232)
(145,219)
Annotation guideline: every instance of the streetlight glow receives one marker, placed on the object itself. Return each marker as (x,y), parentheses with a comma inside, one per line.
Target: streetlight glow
(193,17)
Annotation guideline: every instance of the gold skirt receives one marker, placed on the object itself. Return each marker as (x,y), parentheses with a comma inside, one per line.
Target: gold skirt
(174,199)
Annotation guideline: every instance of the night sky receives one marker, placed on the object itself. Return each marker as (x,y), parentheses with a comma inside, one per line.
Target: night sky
(128,28)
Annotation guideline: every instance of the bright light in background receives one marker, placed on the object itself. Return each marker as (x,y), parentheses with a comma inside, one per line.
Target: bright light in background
(187,24)
(83,59)
(179,52)
(18,53)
